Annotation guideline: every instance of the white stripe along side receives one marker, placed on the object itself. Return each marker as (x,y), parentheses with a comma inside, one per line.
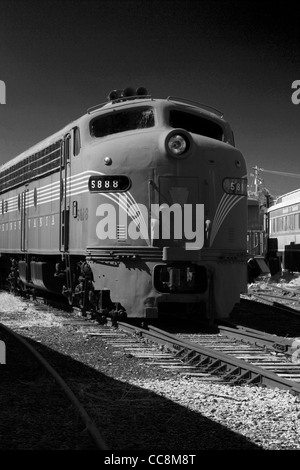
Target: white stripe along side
(78,184)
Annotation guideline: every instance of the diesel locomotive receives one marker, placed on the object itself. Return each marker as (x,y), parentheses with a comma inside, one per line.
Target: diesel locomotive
(137,207)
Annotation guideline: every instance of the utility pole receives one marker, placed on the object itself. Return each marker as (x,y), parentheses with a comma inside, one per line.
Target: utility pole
(257,180)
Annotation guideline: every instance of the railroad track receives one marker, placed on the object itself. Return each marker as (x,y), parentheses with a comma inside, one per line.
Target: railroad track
(243,356)
(236,355)
(283,297)
(80,410)
(178,354)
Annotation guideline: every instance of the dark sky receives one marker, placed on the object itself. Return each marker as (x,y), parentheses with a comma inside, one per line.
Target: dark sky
(59,58)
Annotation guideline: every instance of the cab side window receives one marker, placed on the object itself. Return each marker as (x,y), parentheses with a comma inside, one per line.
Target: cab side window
(76,141)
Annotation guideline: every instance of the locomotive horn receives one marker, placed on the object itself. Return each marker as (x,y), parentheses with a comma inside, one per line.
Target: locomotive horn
(114,94)
(141,91)
(129,91)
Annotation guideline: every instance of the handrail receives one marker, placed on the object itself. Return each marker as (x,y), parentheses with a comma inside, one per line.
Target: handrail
(200,105)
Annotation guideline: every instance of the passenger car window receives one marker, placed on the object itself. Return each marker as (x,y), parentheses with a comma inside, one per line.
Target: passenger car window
(76,141)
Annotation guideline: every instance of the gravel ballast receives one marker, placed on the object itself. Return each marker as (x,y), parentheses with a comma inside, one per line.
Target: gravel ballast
(141,407)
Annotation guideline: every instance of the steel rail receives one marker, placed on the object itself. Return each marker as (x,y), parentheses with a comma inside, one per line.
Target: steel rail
(277,305)
(275,296)
(90,425)
(259,338)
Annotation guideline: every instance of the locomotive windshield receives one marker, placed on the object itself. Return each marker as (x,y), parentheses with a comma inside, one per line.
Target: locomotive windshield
(122,121)
(196,124)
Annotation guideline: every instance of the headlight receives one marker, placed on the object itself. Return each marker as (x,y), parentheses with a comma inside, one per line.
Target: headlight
(178,144)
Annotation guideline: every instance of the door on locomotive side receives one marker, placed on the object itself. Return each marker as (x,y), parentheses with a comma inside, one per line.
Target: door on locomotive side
(65,183)
(24,220)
